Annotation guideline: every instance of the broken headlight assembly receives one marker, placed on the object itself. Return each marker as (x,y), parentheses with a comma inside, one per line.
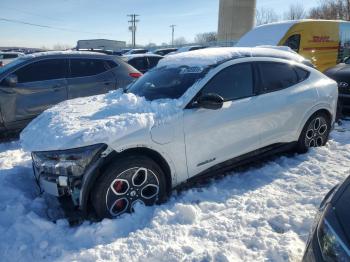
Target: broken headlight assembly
(70,162)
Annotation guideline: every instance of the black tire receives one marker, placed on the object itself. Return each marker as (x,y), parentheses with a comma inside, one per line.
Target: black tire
(129,180)
(315,132)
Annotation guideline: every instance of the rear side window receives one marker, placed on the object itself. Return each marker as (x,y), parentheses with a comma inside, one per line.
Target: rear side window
(49,69)
(277,76)
(233,82)
(87,67)
(139,63)
(293,42)
(111,64)
(302,74)
(153,61)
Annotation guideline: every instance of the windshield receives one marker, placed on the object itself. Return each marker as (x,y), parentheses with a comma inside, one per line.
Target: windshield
(162,83)
(13,63)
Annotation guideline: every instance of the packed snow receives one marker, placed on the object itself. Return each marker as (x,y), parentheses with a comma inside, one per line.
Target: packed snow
(96,119)
(260,213)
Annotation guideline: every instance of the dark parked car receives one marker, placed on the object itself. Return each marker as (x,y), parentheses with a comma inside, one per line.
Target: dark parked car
(330,236)
(142,62)
(341,74)
(164,51)
(32,83)
(136,51)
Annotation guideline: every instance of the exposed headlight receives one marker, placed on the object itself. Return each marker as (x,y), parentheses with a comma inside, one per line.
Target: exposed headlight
(332,247)
(66,162)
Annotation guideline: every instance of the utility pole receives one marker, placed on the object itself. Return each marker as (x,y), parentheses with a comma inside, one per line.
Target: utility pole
(132,28)
(172,34)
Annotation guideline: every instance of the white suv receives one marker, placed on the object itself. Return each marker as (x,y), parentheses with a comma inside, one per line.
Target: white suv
(195,114)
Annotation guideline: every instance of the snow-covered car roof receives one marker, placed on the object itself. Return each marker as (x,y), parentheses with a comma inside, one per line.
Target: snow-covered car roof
(269,34)
(212,56)
(68,52)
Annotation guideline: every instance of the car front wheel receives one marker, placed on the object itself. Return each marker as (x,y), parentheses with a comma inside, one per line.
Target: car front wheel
(126,183)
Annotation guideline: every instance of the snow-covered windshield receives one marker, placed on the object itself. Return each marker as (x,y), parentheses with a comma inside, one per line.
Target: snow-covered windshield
(164,82)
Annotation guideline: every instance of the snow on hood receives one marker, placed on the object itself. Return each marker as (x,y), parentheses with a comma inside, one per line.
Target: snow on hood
(269,34)
(96,119)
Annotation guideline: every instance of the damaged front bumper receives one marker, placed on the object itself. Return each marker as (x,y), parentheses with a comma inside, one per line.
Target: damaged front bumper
(65,172)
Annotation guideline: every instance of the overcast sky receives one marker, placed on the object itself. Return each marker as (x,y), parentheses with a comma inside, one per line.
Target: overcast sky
(88,19)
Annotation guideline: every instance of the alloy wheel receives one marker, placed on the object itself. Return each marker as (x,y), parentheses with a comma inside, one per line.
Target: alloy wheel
(316,134)
(132,186)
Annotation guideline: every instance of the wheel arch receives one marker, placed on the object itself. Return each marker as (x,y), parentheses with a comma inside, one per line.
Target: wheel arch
(89,182)
(319,109)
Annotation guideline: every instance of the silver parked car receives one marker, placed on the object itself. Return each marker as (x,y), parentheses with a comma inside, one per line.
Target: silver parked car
(32,83)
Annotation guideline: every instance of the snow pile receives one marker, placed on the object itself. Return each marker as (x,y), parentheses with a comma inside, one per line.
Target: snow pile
(96,119)
(270,34)
(261,213)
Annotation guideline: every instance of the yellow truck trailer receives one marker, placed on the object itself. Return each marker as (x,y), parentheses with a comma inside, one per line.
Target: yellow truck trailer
(325,42)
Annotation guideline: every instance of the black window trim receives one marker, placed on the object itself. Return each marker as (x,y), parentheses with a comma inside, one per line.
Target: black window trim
(192,102)
(261,91)
(108,68)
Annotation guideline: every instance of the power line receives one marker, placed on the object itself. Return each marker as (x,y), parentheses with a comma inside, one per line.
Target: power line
(32,14)
(49,27)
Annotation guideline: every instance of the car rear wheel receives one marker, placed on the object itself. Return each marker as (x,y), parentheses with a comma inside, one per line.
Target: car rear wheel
(315,132)
(130,181)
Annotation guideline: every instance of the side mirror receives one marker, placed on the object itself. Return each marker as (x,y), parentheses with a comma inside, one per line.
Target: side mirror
(346,60)
(11,80)
(210,101)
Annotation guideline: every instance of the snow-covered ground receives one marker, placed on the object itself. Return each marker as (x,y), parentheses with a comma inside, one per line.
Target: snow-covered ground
(262,213)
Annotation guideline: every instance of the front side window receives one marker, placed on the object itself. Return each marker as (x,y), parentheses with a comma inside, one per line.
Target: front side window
(277,76)
(232,83)
(293,42)
(44,70)
(171,83)
(87,67)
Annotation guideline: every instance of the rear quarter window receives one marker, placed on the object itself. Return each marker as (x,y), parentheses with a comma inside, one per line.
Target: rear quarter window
(111,64)
(277,76)
(87,67)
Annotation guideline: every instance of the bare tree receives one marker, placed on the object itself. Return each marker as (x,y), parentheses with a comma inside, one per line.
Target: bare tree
(205,38)
(295,12)
(265,16)
(331,9)
(61,47)
(180,41)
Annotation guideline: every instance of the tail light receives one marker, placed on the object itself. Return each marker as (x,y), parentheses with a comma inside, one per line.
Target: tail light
(1,64)
(135,75)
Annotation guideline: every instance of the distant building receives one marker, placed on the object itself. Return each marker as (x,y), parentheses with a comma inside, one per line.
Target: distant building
(236,17)
(102,44)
